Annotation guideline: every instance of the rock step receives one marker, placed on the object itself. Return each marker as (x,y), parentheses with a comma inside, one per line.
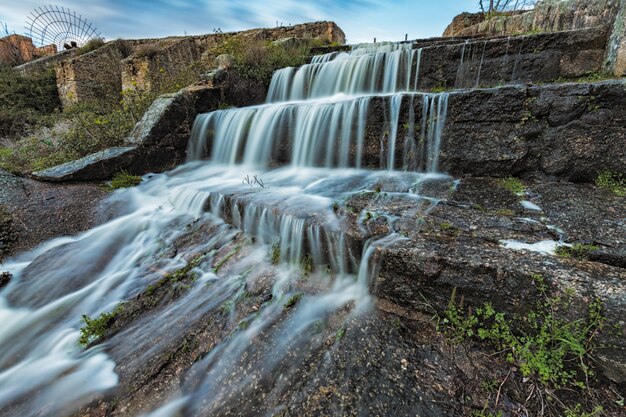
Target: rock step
(470,62)
(570,131)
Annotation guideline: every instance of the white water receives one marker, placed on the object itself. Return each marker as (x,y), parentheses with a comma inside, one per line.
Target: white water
(315,125)
(367,69)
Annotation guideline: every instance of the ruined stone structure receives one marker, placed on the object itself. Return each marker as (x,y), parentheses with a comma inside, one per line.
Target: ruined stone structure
(17,49)
(142,63)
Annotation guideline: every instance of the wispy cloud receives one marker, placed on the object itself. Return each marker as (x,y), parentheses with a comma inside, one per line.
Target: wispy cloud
(135,18)
(361,19)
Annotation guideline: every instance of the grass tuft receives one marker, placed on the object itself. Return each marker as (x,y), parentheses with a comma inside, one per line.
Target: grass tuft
(124,179)
(613,182)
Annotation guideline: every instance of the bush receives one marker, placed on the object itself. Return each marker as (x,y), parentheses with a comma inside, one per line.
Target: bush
(553,351)
(84,128)
(92,45)
(147,50)
(257,60)
(613,182)
(26,100)
(124,179)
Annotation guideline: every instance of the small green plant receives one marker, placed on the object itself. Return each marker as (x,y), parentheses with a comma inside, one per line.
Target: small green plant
(275,253)
(226,258)
(505,212)
(92,45)
(513,185)
(445,226)
(486,413)
(554,351)
(612,181)
(293,300)
(227,307)
(578,251)
(439,89)
(124,179)
(95,329)
(577,411)
(340,334)
(307,264)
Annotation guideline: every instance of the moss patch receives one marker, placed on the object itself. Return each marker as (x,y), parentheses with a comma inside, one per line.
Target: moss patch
(613,182)
(123,179)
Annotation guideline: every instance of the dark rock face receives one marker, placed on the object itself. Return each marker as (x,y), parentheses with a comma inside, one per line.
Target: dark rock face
(163,132)
(459,247)
(496,61)
(569,131)
(5,278)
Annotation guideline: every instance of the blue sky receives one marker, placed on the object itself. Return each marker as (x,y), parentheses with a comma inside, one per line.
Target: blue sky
(362,20)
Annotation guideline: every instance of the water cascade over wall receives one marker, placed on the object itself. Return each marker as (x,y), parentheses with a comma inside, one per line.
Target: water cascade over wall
(265,179)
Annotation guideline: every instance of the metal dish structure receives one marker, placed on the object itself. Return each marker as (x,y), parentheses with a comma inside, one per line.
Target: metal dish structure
(56,25)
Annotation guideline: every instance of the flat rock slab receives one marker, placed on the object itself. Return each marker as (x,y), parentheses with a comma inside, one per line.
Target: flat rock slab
(98,166)
(42,211)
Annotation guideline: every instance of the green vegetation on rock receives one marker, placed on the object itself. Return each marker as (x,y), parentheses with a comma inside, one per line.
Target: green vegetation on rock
(43,137)
(26,101)
(613,182)
(92,45)
(257,60)
(293,300)
(94,329)
(513,185)
(124,179)
(578,251)
(546,347)
(275,253)
(7,233)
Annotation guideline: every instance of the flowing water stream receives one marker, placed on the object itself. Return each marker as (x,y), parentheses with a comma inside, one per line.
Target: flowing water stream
(265,183)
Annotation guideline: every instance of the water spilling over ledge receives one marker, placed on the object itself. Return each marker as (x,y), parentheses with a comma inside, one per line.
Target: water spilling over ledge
(318,133)
(230,276)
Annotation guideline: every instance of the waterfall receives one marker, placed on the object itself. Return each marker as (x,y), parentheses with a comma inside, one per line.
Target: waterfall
(276,179)
(366,69)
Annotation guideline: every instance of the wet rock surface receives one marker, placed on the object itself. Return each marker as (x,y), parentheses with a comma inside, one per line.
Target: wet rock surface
(391,360)
(41,211)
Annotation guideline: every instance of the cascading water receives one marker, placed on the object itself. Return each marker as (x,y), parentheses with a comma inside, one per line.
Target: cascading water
(319,124)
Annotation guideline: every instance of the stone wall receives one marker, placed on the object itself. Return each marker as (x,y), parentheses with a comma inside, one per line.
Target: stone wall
(16,49)
(152,63)
(147,68)
(491,62)
(548,16)
(92,76)
(144,63)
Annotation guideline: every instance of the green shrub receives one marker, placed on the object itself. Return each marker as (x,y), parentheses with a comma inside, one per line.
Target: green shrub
(25,100)
(86,128)
(92,45)
(95,329)
(257,60)
(513,185)
(552,350)
(124,179)
(578,250)
(146,50)
(613,182)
